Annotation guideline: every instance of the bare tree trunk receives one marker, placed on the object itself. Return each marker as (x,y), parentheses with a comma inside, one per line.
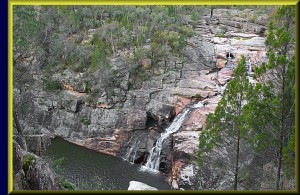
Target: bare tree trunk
(236,172)
(20,131)
(281,139)
(112,43)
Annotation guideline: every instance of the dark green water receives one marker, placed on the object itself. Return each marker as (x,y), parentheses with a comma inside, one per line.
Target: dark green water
(90,170)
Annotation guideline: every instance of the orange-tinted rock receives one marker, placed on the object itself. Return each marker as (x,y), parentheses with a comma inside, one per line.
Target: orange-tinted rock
(108,145)
(224,75)
(71,90)
(221,63)
(196,120)
(102,106)
(181,103)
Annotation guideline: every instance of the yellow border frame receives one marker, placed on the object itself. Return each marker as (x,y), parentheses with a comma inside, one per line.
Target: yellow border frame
(151,2)
(134,2)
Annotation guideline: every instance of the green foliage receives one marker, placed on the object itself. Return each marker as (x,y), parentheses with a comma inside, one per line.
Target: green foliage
(225,130)
(51,85)
(62,45)
(195,15)
(278,75)
(27,31)
(65,183)
(197,95)
(220,35)
(27,162)
(98,59)
(142,75)
(253,18)
(88,87)
(56,164)
(79,68)
(85,121)
(171,10)
(24,107)
(265,122)
(289,155)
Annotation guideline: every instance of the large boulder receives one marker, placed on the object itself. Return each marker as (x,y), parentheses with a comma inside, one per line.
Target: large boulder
(185,144)
(160,111)
(224,75)
(135,185)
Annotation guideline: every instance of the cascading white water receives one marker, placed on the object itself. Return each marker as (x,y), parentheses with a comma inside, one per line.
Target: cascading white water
(221,88)
(129,157)
(154,156)
(249,66)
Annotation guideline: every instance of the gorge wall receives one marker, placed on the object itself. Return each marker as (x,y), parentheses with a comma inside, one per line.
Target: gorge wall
(114,123)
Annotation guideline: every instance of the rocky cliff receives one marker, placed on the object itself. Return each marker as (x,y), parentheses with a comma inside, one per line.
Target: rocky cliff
(31,172)
(112,123)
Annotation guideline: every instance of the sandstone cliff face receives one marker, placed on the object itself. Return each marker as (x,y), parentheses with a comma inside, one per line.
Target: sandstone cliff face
(113,123)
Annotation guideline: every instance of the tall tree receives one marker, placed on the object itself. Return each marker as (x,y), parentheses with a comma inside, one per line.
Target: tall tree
(278,74)
(223,148)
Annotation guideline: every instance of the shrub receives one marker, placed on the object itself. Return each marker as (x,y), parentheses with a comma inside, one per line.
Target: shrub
(85,121)
(24,107)
(195,15)
(79,68)
(27,162)
(66,184)
(197,95)
(56,164)
(253,18)
(220,35)
(51,84)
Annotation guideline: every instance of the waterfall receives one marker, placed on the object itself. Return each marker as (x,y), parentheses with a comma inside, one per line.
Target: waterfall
(249,66)
(221,88)
(130,155)
(154,156)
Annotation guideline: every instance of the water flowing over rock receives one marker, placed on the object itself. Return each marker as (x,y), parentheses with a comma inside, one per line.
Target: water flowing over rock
(131,154)
(154,156)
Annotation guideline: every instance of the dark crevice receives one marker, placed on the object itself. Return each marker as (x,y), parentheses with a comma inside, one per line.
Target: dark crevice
(229,55)
(151,121)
